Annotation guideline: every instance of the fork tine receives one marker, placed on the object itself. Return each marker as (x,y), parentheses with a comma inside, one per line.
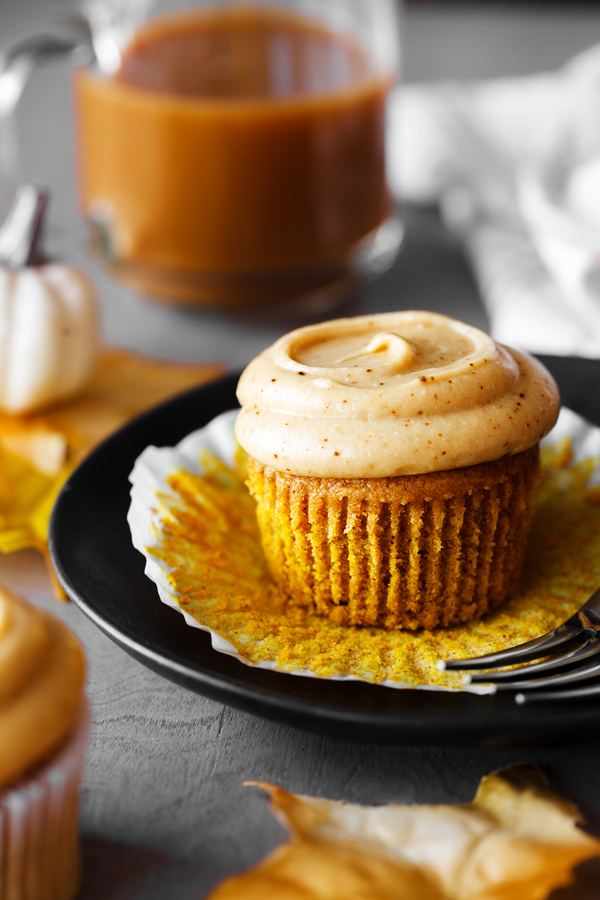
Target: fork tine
(587,649)
(590,690)
(583,674)
(541,646)
(586,618)
(591,607)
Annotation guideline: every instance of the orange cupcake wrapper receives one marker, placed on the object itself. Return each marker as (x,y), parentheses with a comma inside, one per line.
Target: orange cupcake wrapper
(398,562)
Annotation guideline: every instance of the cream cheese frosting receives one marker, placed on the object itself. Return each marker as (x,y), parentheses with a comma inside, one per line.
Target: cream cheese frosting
(391,394)
(42,675)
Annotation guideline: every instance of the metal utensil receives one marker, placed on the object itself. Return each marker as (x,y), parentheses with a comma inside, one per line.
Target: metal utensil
(578,638)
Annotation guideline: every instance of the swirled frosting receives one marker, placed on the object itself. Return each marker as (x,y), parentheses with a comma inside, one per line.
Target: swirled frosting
(42,674)
(391,394)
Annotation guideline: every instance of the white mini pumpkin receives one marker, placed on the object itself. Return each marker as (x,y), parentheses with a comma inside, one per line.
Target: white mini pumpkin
(49,335)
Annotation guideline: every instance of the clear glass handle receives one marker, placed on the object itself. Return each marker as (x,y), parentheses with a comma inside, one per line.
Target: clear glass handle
(25,48)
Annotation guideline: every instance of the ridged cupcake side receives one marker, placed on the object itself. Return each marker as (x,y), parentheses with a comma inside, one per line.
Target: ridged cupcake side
(418,551)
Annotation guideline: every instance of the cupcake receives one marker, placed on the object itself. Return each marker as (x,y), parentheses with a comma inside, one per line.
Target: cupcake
(43,737)
(392,459)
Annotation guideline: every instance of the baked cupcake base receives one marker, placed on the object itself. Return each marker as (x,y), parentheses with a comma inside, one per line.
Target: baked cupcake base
(39,826)
(411,551)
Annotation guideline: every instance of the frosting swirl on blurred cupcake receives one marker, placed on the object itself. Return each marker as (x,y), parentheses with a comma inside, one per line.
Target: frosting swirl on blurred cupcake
(42,676)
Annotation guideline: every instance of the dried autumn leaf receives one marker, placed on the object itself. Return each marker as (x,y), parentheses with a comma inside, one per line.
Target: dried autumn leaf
(38,452)
(44,449)
(517,840)
(124,385)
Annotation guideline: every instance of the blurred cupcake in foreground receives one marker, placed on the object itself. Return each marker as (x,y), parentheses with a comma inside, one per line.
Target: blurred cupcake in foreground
(43,738)
(392,458)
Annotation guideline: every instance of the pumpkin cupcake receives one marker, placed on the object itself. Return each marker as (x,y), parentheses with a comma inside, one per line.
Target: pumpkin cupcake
(43,737)
(392,458)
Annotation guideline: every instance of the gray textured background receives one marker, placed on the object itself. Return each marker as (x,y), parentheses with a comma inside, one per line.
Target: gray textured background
(164,812)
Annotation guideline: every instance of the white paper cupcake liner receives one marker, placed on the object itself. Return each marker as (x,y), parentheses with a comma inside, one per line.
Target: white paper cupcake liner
(154,466)
(39,826)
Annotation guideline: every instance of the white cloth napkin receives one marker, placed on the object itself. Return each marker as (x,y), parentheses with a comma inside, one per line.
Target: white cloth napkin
(512,164)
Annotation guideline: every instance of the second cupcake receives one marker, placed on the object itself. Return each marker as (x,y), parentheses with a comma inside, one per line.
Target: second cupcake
(392,458)
(43,739)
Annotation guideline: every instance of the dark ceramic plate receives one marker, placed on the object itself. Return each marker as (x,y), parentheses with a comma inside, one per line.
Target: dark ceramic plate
(100,570)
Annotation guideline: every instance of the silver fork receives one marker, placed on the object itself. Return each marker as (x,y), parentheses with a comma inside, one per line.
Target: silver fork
(578,637)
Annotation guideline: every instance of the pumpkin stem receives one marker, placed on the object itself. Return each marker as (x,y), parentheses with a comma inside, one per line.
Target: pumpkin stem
(20,234)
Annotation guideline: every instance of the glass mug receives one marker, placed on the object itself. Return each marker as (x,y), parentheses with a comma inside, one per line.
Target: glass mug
(230,152)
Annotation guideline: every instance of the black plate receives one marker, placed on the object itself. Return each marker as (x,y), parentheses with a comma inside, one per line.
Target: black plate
(98,567)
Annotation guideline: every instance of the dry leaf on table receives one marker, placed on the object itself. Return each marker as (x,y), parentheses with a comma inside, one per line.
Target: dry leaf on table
(516,840)
(39,451)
